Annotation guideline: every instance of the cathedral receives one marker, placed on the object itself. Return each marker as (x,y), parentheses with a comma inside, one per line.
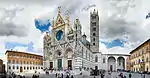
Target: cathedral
(67,48)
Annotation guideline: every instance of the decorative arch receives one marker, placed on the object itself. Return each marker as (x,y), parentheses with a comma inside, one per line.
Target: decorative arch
(121,63)
(58,53)
(111,63)
(68,53)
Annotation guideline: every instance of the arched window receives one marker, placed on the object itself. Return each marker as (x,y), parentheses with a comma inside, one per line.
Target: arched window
(17,67)
(96,58)
(93,39)
(13,61)
(9,67)
(139,61)
(94,34)
(93,43)
(13,67)
(103,60)
(147,59)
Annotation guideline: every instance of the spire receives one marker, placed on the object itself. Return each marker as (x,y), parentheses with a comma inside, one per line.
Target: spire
(67,17)
(53,21)
(59,9)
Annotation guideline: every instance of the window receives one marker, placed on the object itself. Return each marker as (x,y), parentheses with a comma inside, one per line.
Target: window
(147,59)
(93,39)
(94,17)
(94,29)
(39,67)
(86,54)
(17,67)
(94,34)
(13,61)
(103,60)
(24,68)
(17,61)
(147,48)
(142,51)
(9,61)
(27,68)
(24,62)
(96,58)
(30,68)
(33,67)
(36,67)
(94,24)
(9,67)
(13,67)
(20,62)
(24,56)
(93,43)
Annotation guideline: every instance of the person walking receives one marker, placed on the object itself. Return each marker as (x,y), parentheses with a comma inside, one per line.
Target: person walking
(67,76)
(72,76)
(56,75)
(130,75)
(62,76)
(102,75)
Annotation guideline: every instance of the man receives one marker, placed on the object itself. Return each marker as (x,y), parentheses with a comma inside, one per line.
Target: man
(130,75)
(67,76)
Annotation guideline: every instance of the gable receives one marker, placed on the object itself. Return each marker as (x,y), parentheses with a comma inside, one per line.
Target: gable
(59,21)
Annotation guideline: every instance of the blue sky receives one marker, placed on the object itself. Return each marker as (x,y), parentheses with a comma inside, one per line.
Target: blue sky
(12,45)
(114,43)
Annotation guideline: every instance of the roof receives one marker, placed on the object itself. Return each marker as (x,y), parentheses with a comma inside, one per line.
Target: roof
(140,46)
(31,53)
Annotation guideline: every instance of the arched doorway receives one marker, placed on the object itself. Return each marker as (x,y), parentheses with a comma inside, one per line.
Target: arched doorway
(120,63)
(69,54)
(21,69)
(58,55)
(111,63)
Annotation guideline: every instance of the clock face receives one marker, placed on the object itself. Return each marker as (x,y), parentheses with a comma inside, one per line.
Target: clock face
(59,35)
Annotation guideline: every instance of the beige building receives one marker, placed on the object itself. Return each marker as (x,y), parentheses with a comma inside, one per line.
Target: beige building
(139,59)
(23,62)
(2,67)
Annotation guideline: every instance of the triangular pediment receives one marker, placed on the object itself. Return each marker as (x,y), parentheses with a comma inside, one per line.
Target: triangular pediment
(59,20)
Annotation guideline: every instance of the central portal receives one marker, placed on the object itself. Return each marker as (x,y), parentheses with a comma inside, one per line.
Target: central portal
(70,64)
(59,63)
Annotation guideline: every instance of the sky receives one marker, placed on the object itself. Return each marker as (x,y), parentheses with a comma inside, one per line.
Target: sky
(123,26)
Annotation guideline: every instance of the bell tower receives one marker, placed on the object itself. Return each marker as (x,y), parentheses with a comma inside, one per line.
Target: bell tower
(94,31)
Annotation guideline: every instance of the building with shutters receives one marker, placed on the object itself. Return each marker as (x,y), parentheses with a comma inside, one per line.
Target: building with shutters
(23,61)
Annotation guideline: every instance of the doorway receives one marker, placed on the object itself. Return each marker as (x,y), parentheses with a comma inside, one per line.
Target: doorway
(59,63)
(21,70)
(70,64)
(51,65)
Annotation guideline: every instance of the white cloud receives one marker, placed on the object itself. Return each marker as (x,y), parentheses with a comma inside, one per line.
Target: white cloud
(129,27)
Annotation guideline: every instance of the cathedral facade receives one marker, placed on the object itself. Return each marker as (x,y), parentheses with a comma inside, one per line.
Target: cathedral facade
(66,48)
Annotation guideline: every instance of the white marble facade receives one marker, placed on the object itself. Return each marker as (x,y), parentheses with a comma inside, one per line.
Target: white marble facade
(66,48)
